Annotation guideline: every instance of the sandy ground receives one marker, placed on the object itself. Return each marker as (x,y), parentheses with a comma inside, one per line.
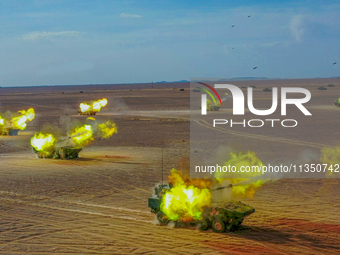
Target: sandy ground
(97,204)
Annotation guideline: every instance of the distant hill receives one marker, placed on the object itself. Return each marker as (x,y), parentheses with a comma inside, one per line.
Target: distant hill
(244,78)
(172,81)
(237,79)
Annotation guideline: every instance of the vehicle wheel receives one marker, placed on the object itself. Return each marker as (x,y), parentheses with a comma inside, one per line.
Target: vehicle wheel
(203,225)
(218,225)
(162,218)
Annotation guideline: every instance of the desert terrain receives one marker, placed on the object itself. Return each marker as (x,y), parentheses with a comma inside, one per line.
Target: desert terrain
(97,204)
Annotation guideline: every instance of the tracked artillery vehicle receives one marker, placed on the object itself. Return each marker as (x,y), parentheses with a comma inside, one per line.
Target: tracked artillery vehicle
(220,217)
(61,150)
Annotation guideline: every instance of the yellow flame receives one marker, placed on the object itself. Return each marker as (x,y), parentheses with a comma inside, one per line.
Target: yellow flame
(84,107)
(2,121)
(247,184)
(330,156)
(209,103)
(43,142)
(30,114)
(83,135)
(20,122)
(93,106)
(184,201)
(107,129)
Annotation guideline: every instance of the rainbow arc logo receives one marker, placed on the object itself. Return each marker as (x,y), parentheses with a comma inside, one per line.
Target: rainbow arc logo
(208,92)
(204,97)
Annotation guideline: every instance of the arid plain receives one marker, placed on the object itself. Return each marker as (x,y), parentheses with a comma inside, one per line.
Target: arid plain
(97,204)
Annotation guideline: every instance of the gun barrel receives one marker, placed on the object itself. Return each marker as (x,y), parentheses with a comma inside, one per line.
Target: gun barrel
(223,187)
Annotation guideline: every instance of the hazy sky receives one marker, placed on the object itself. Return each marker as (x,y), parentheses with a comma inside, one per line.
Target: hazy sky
(50,42)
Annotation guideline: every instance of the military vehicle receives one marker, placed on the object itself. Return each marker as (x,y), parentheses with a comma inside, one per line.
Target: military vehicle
(220,217)
(252,87)
(322,88)
(196,90)
(330,85)
(59,153)
(8,128)
(9,131)
(87,112)
(267,89)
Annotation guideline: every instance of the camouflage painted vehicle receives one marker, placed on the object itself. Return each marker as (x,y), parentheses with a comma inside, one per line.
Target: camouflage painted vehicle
(154,202)
(267,89)
(59,153)
(87,112)
(225,217)
(219,217)
(322,88)
(9,131)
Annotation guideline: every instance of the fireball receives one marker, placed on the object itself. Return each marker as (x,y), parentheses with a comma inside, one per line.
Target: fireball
(93,106)
(106,129)
(97,105)
(247,184)
(185,203)
(187,198)
(82,135)
(2,121)
(43,142)
(30,114)
(84,107)
(19,122)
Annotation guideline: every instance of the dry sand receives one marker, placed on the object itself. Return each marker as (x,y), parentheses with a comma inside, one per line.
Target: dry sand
(97,204)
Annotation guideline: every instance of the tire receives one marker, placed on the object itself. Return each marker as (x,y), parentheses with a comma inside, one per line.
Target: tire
(203,225)
(218,225)
(161,218)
